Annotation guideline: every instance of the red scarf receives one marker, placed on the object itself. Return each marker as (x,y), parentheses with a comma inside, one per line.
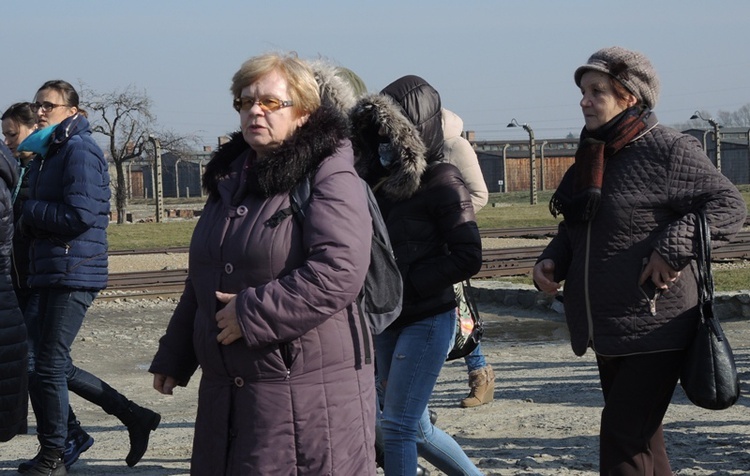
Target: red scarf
(580,190)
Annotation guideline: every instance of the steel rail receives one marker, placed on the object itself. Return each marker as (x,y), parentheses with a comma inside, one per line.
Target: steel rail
(498,262)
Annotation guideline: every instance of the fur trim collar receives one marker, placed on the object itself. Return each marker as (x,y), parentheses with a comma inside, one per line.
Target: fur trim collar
(296,158)
(332,86)
(372,114)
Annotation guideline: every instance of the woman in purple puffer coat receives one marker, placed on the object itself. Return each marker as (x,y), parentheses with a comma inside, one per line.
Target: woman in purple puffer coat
(268,309)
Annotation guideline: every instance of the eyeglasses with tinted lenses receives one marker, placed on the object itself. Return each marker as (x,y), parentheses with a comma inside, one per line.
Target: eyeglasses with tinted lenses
(44,107)
(267,104)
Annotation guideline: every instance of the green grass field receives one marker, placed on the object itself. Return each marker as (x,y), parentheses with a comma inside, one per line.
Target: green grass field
(509,210)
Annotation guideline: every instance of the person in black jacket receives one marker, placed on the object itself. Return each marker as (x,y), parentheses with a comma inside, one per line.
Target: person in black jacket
(625,250)
(13,347)
(427,209)
(18,122)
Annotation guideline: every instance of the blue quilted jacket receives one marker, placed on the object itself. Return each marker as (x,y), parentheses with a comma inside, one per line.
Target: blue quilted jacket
(67,212)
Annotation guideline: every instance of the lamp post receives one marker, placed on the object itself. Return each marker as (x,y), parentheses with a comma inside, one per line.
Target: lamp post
(717,137)
(158,193)
(177,178)
(532,157)
(505,168)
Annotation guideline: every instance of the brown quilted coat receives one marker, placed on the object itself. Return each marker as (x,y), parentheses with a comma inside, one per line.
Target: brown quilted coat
(651,193)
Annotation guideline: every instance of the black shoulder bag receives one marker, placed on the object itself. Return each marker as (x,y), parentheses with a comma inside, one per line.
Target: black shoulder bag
(709,375)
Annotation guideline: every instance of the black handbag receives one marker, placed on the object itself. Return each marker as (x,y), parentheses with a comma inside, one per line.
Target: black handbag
(709,374)
(469,326)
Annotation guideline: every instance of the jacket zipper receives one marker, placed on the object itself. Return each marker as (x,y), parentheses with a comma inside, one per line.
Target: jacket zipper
(586,292)
(657,292)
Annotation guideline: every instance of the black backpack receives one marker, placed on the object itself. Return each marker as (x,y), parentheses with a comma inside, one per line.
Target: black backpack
(381,298)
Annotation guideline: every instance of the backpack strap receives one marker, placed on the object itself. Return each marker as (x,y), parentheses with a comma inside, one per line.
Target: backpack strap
(299,200)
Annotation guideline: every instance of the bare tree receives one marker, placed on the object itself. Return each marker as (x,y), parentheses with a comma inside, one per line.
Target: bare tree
(738,118)
(124,117)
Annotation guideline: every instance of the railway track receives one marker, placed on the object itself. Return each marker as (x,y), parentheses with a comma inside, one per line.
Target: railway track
(496,263)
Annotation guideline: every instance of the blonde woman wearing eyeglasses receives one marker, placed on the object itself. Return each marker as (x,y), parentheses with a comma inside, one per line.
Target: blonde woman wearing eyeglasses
(65,218)
(268,309)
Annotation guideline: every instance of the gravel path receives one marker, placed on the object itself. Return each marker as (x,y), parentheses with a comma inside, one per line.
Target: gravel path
(543,422)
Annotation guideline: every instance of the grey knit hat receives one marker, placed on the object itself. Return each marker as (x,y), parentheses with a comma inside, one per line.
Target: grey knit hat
(630,68)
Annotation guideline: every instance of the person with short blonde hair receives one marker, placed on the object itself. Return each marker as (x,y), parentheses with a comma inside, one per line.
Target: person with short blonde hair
(268,311)
(303,90)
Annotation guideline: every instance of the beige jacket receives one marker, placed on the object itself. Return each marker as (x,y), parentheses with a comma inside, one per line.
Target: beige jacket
(459,152)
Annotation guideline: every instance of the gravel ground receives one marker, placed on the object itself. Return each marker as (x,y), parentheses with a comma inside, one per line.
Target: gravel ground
(543,421)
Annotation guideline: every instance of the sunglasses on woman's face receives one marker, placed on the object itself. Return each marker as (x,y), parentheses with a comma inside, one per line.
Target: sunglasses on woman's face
(44,107)
(268,104)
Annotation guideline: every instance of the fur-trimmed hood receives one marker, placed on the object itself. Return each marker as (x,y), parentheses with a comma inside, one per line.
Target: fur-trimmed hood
(407,111)
(333,86)
(296,158)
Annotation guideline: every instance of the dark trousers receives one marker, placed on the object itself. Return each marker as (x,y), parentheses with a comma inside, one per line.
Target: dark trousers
(637,391)
(54,325)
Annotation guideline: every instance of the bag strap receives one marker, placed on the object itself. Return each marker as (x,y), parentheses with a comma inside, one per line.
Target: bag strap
(470,301)
(705,276)
(299,200)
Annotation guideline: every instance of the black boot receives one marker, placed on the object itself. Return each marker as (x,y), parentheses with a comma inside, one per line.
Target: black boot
(140,422)
(49,462)
(380,461)
(422,471)
(379,455)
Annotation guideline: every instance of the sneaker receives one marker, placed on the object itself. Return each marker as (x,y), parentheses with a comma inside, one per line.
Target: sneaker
(78,441)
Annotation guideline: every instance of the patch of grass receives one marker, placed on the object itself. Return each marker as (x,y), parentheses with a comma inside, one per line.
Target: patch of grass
(141,236)
(504,210)
(513,210)
(725,280)
(731,279)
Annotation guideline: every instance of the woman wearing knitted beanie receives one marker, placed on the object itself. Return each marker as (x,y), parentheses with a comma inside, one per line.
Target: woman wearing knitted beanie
(630,204)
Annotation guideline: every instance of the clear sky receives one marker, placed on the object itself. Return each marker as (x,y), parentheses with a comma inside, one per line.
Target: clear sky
(490,60)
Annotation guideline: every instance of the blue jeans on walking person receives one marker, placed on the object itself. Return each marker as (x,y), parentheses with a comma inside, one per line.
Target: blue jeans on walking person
(475,360)
(409,360)
(56,322)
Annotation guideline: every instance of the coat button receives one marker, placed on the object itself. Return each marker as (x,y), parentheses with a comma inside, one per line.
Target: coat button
(239,382)
(228,268)
(242,210)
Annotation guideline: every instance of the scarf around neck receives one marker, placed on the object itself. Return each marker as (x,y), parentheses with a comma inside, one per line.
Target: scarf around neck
(579,194)
(38,141)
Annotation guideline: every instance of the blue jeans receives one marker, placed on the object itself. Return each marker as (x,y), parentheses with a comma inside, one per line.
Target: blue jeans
(475,360)
(409,360)
(55,322)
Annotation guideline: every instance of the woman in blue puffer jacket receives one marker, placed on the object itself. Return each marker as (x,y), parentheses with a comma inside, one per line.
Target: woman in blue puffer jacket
(66,217)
